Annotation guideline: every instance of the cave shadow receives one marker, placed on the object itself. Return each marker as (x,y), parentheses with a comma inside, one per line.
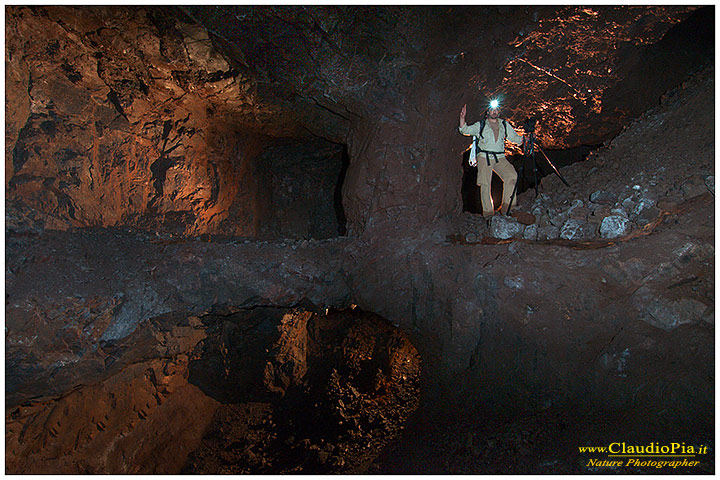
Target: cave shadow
(301,185)
(228,365)
(529,175)
(309,394)
(337,197)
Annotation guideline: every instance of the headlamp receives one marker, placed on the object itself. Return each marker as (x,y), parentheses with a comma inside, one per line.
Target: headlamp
(494,103)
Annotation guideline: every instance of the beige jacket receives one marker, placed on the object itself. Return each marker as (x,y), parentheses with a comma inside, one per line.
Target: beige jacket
(487,141)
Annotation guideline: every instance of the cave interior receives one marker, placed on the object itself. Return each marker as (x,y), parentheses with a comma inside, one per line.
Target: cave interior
(248,239)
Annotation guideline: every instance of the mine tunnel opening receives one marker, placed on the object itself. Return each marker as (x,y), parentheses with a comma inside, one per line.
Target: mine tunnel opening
(302,183)
(530,173)
(302,392)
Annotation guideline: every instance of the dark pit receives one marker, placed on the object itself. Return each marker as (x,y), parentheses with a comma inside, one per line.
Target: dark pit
(325,397)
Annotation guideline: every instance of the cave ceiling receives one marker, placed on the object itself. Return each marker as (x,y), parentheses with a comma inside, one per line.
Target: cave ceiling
(322,68)
(122,115)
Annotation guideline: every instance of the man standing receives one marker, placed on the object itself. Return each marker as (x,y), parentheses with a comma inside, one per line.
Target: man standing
(489,149)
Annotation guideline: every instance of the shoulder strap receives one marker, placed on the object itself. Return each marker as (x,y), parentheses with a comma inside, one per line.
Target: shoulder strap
(482,127)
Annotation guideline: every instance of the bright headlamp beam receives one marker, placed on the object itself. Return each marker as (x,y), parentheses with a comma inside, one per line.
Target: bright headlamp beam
(494,103)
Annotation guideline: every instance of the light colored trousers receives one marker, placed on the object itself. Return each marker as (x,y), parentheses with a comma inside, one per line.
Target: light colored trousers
(507,174)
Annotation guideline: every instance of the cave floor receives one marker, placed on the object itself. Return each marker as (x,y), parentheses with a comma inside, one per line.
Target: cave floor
(545,442)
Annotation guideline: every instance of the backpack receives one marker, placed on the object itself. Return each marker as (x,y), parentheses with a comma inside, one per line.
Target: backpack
(482,127)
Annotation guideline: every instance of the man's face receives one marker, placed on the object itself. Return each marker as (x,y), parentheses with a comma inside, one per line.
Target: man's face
(494,113)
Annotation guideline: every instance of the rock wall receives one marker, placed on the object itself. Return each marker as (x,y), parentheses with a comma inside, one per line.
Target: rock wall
(121,117)
(539,325)
(250,391)
(72,294)
(144,418)
(144,125)
(159,124)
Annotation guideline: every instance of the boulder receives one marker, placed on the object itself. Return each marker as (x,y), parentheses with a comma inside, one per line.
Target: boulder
(504,227)
(694,186)
(602,197)
(530,232)
(614,226)
(572,230)
(523,217)
(669,315)
(647,215)
(710,183)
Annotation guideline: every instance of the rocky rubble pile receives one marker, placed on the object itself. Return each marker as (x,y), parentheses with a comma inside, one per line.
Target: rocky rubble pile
(603,214)
(626,184)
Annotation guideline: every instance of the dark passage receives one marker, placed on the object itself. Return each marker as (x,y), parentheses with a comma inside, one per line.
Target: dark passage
(529,173)
(301,183)
(325,397)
